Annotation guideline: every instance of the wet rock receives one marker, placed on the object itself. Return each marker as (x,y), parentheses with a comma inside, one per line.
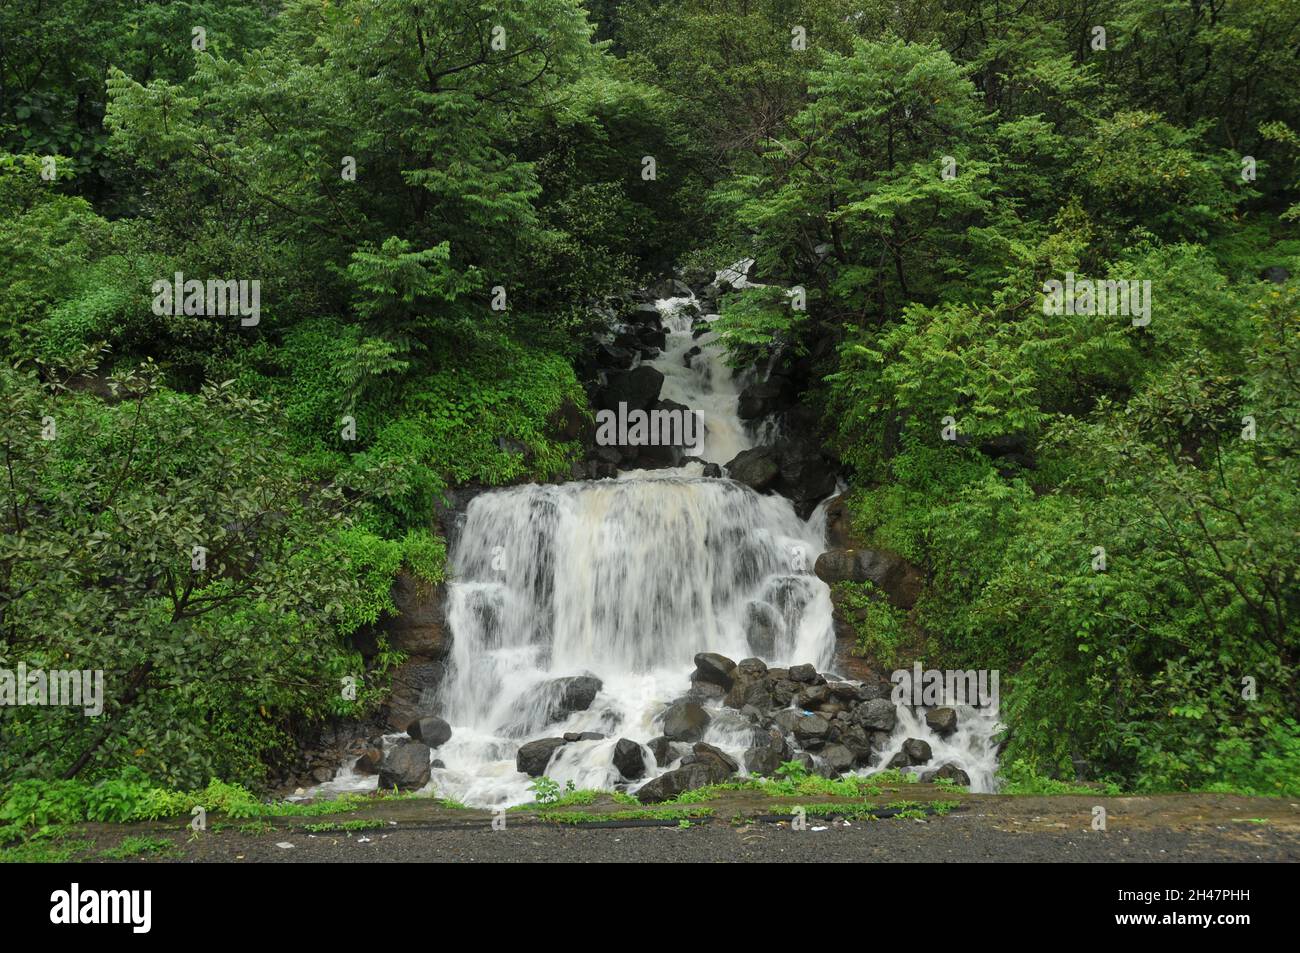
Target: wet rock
(838,757)
(942,721)
(757,468)
(685,721)
(551,701)
(898,761)
(858,741)
(878,714)
(431,730)
(749,691)
(712,471)
(811,732)
(839,525)
(811,697)
(787,718)
(714,669)
(688,777)
(948,772)
(629,759)
(414,692)
(752,667)
(665,751)
(805,674)
(807,474)
(917,751)
(638,388)
(420,627)
(895,576)
(533,757)
(669,288)
(762,626)
(764,397)
(369,761)
(708,754)
(765,757)
(572,736)
(405,767)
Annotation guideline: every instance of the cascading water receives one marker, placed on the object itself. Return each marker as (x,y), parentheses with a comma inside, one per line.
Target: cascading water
(626,580)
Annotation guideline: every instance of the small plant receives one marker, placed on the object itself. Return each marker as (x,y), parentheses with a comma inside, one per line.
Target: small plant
(545,790)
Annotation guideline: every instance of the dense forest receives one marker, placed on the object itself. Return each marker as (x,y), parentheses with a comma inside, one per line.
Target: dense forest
(442,203)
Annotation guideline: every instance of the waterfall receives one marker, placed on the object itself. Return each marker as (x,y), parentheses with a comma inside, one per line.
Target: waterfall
(623,581)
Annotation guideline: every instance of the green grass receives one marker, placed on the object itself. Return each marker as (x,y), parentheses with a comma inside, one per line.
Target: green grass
(142,847)
(651,813)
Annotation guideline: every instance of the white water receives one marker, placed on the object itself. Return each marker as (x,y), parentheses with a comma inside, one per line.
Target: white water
(627,580)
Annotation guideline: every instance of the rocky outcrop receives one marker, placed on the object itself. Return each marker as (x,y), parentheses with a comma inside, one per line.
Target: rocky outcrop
(949,772)
(685,721)
(629,759)
(898,579)
(533,757)
(638,389)
(703,766)
(414,692)
(798,470)
(431,730)
(405,767)
(942,721)
(714,669)
(420,626)
(552,700)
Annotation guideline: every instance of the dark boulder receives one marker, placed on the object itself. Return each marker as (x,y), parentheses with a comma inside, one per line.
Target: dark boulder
(878,714)
(629,759)
(916,750)
(431,729)
(420,626)
(638,389)
(665,751)
(714,669)
(757,468)
(414,692)
(811,732)
(708,754)
(763,398)
(805,673)
(767,755)
(534,756)
(948,772)
(405,767)
(838,757)
(669,288)
(685,721)
(572,736)
(688,777)
(551,701)
(942,721)
(899,580)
